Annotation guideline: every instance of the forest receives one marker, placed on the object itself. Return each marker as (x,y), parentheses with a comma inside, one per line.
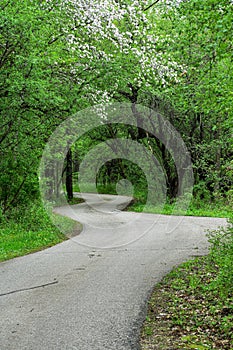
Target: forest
(59,58)
(70,69)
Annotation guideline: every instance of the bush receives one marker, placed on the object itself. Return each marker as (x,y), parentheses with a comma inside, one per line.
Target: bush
(221,254)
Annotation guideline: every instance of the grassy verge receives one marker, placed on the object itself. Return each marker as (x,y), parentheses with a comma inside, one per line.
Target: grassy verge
(218,208)
(29,229)
(192,308)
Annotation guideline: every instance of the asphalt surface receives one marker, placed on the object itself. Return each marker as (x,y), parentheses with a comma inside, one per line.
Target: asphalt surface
(90,292)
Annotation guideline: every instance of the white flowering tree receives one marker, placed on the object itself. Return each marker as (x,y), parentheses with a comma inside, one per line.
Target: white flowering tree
(111,46)
(112,50)
(58,57)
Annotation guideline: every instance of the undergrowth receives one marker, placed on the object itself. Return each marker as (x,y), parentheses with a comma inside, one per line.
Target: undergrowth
(192,308)
(29,228)
(216,206)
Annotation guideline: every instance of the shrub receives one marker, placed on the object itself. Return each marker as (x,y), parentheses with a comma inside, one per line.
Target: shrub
(221,254)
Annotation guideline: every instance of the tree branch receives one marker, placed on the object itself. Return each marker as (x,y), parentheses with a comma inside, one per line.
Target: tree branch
(148,7)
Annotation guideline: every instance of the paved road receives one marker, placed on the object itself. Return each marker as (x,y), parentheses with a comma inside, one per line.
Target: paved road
(90,292)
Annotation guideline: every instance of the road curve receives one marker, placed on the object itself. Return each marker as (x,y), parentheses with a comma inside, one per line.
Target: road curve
(90,292)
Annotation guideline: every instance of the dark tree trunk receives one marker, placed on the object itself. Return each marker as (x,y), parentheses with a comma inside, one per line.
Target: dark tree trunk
(69,182)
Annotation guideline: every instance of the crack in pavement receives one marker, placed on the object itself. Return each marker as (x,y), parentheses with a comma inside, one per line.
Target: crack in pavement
(106,276)
(29,288)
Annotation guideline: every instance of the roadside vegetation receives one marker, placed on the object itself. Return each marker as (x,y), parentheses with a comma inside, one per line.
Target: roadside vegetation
(192,307)
(29,229)
(174,58)
(220,208)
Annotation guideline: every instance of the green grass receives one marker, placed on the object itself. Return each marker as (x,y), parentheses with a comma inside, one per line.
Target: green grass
(30,229)
(91,188)
(187,311)
(192,308)
(208,209)
(75,201)
(197,207)
(15,240)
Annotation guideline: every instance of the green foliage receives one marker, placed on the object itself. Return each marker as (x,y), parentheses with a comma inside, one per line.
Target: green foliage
(188,311)
(53,66)
(221,254)
(200,41)
(28,229)
(192,308)
(176,57)
(27,95)
(197,207)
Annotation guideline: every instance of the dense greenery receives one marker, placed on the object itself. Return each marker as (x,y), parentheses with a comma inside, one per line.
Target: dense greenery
(59,57)
(175,57)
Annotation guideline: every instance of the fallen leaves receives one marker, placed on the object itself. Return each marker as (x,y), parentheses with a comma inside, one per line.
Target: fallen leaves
(185,312)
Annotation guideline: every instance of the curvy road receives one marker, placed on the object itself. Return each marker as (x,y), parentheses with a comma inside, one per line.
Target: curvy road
(90,292)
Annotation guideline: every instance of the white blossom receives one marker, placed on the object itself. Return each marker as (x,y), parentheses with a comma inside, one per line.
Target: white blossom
(103,34)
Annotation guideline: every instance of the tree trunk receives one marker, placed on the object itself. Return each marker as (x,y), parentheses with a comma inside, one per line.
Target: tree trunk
(69,180)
